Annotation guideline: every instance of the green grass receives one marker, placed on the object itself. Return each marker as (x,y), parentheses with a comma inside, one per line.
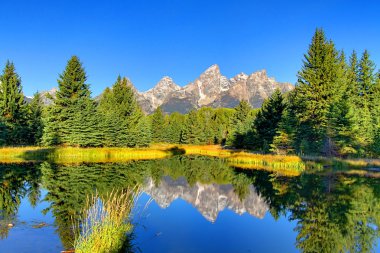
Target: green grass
(104,224)
(69,155)
(286,165)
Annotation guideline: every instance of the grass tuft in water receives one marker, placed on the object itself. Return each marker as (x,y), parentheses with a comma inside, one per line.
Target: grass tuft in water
(104,224)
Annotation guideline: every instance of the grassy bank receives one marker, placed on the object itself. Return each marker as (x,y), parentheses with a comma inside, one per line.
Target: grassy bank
(288,165)
(70,155)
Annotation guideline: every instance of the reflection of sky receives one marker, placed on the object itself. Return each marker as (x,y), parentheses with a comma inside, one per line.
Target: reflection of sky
(23,238)
(181,228)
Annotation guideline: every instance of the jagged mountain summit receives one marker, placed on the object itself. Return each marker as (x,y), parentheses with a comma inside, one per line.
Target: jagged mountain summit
(211,89)
(208,199)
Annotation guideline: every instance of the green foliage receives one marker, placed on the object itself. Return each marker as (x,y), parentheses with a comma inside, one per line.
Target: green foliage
(3,133)
(158,125)
(85,125)
(240,125)
(267,121)
(174,127)
(319,102)
(65,119)
(35,119)
(192,132)
(13,109)
(142,133)
(121,117)
(281,144)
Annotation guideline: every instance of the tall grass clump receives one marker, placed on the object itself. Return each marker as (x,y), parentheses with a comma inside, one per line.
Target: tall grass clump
(105,222)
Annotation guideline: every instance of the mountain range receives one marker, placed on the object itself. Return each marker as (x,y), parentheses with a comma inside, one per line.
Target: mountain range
(210,89)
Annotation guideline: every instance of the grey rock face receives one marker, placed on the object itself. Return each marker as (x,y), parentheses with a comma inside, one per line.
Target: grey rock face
(214,90)
(209,199)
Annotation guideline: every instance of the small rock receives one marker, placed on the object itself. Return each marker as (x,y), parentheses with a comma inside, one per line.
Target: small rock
(10,225)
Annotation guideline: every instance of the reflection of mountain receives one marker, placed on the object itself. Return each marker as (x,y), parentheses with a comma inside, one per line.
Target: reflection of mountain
(209,199)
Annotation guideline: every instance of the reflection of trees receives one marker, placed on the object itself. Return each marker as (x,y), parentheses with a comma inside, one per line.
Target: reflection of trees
(16,182)
(334,213)
(69,185)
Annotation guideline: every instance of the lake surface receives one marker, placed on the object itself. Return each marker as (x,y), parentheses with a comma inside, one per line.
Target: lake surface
(193,204)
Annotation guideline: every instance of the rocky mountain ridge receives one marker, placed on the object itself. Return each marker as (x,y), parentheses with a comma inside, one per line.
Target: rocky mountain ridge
(211,89)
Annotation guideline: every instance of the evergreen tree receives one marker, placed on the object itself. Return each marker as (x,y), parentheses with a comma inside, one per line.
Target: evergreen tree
(174,127)
(62,123)
(85,125)
(222,119)
(158,126)
(363,123)
(35,119)
(240,125)
(3,133)
(109,118)
(207,125)
(13,109)
(366,78)
(191,132)
(120,115)
(352,78)
(267,120)
(321,83)
(143,133)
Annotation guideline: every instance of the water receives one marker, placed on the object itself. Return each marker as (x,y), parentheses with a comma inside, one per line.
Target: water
(193,204)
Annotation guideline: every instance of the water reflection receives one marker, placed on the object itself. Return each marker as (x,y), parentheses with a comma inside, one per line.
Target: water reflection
(333,212)
(208,199)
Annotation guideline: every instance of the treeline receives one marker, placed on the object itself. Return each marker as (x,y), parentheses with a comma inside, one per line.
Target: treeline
(333,110)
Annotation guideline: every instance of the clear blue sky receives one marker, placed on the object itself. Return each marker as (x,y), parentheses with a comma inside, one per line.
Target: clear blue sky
(145,40)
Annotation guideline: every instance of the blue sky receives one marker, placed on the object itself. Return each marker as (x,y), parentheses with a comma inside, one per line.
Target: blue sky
(145,40)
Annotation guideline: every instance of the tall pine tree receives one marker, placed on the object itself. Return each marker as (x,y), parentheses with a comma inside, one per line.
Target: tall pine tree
(240,125)
(35,119)
(321,83)
(267,120)
(65,119)
(158,125)
(13,109)
(122,119)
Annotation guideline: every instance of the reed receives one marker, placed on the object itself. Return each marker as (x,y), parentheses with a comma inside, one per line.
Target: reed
(104,223)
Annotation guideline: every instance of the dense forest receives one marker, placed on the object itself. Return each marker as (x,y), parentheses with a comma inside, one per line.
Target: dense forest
(333,110)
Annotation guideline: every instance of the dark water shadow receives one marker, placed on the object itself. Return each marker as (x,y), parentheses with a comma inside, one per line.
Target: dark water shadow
(44,154)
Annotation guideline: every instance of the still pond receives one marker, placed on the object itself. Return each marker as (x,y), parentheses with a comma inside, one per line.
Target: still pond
(193,204)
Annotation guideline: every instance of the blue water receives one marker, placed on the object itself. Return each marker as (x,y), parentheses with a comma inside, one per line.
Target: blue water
(190,205)
(24,238)
(181,228)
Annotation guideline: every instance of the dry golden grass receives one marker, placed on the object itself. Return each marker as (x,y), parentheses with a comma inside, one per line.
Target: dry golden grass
(70,155)
(288,165)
